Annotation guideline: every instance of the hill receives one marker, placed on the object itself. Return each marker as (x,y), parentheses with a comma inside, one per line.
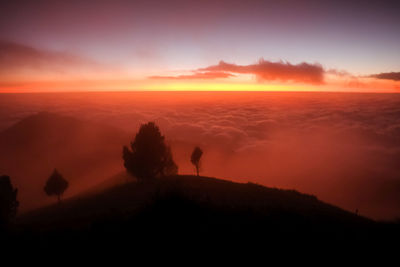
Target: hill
(195,209)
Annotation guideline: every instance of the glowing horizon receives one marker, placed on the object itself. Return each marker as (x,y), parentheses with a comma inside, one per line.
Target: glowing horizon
(182,45)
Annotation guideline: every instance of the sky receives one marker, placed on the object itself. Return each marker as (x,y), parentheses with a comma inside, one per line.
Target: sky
(199,45)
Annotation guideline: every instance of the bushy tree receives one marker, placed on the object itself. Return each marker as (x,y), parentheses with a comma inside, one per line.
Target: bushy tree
(8,200)
(148,156)
(196,157)
(56,185)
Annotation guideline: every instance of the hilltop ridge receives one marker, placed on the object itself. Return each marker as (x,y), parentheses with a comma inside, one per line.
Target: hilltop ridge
(188,206)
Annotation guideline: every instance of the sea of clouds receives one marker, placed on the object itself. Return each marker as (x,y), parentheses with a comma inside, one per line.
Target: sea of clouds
(344,148)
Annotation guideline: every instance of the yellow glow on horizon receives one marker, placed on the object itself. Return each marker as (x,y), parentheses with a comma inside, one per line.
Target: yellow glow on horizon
(77,85)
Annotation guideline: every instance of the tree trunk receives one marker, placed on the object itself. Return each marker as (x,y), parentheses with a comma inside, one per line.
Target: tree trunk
(59,199)
(197,170)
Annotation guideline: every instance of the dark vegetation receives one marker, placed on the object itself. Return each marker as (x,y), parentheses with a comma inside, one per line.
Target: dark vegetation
(8,201)
(195,158)
(149,157)
(56,185)
(160,207)
(197,210)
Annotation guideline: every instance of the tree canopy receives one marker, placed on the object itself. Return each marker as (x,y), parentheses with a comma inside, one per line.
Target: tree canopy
(56,185)
(148,156)
(196,157)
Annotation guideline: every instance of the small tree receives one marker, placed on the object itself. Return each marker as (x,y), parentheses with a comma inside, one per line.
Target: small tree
(196,157)
(148,156)
(8,200)
(56,185)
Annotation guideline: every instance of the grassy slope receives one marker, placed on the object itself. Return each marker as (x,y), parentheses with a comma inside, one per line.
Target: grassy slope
(195,210)
(130,198)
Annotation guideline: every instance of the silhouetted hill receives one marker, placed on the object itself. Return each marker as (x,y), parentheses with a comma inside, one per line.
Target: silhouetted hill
(191,209)
(116,211)
(86,153)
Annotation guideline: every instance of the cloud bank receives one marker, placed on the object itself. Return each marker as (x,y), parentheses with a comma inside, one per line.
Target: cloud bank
(22,62)
(15,56)
(270,71)
(264,70)
(394,76)
(344,148)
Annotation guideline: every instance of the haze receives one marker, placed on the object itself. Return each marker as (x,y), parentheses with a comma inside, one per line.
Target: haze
(344,148)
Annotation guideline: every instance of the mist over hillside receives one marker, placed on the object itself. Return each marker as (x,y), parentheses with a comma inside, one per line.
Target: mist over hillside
(86,153)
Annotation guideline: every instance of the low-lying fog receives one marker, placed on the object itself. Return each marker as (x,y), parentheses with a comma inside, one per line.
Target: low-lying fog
(343,148)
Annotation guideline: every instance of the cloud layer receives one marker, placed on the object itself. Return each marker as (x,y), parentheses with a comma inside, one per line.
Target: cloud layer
(342,147)
(264,71)
(18,61)
(16,56)
(270,71)
(394,76)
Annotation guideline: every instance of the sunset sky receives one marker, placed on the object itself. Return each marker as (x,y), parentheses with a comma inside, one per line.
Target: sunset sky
(52,45)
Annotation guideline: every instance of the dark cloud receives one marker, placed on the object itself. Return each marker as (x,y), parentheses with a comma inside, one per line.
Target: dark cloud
(395,76)
(264,70)
(197,75)
(283,71)
(15,58)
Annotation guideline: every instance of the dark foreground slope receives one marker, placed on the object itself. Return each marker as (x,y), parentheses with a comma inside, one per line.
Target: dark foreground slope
(194,210)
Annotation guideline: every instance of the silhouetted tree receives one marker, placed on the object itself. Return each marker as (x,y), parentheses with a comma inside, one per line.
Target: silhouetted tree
(8,200)
(56,185)
(170,167)
(196,157)
(148,156)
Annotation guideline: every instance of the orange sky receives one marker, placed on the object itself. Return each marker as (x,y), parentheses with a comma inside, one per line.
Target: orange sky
(28,69)
(54,45)
(237,83)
